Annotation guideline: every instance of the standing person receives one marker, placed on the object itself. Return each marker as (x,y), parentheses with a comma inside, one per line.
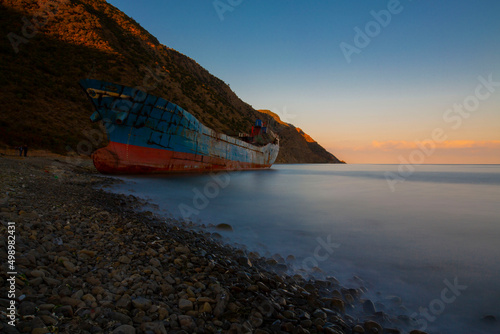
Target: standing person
(25,149)
(20,148)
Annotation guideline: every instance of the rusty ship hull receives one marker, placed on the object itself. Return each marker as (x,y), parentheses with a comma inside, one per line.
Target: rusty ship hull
(148,134)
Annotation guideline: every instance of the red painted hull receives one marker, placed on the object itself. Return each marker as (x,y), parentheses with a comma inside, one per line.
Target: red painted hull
(130,159)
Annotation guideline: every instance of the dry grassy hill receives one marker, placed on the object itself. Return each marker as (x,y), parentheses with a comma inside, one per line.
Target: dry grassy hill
(48,46)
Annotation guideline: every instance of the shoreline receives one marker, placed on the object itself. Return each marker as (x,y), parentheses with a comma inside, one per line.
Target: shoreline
(89,261)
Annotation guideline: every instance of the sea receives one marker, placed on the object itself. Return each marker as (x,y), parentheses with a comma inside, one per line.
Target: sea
(428,235)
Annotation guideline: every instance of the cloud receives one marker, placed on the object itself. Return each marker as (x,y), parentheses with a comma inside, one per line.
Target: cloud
(450,151)
(391,145)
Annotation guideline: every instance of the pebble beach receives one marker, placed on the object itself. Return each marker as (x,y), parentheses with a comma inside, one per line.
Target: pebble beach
(90,261)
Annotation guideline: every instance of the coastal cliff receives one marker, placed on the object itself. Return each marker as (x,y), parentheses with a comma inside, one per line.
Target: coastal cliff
(50,46)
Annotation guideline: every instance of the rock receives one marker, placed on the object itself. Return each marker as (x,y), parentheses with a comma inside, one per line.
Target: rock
(124,302)
(46,307)
(66,311)
(331,330)
(155,262)
(155,327)
(358,329)
(338,304)
(206,308)
(319,314)
(125,260)
(185,305)
(256,320)
(391,331)
(288,327)
(396,300)
(368,307)
(70,301)
(48,320)
(224,227)
(260,331)
(69,266)
(37,273)
(52,281)
(141,303)
(182,249)
(288,314)
(93,281)
(88,298)
(121,318)
(162,313)
(27,308)
(490,319)
(186,322)
(373,327)
(124,329)
(87,253)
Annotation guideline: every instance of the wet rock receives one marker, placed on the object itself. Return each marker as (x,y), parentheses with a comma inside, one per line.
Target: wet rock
(224,227)
(319,314)
(489,319)
(372,327)
(391,331)
(337,304)
(358,329)
(368,307)
(331,330)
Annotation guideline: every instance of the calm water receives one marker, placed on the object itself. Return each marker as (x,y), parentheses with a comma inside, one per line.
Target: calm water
(432,238)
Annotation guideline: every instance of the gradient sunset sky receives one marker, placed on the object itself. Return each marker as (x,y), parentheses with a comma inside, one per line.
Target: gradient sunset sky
(366,79)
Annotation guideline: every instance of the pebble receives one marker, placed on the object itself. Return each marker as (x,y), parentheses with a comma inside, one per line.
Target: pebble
(118,270)
(185,304)
(124,329)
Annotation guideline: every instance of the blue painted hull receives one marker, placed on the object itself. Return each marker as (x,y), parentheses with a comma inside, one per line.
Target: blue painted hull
(147,132)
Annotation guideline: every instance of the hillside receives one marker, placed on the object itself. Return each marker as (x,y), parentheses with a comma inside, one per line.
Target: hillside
(51,45)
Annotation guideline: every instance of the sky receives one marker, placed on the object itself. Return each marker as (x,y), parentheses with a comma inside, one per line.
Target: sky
(372,81)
